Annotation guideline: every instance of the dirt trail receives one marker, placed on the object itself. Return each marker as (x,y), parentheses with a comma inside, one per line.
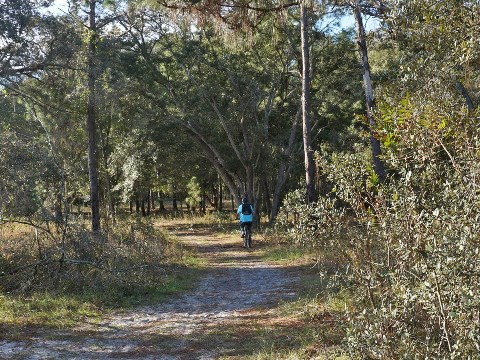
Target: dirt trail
(239,291)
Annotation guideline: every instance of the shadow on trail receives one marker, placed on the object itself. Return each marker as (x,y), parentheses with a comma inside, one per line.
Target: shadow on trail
(236,292)
(232,288)
(216,317)
(236,278)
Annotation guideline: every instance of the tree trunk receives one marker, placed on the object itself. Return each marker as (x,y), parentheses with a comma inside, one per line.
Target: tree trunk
(307,138)
(203,203)
(266,196)
(249,186)
(214,202)
(174,198)
(466,96)
(220,196)
(284,168)
(144,213)
(368,87)
(58,206)
(149,202)
(91,121)
(110,205)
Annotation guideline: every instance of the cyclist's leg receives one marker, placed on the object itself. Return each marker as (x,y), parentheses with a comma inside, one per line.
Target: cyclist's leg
(249,225)
(242,229)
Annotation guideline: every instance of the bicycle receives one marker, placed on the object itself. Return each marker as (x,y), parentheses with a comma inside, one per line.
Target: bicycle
(247,235)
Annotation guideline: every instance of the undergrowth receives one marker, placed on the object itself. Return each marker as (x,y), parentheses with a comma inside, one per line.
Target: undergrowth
(50,281)
(286,253)
(311,326)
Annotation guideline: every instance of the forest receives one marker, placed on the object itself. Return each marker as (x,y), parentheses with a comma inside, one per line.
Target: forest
(351,125)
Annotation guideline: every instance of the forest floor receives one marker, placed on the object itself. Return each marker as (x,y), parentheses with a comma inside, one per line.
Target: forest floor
(234,311)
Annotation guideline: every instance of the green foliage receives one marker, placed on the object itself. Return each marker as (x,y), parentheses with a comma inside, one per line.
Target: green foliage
(29,173)
(286,253)
(407,249)
(47,309)
(194,193)
(173,100)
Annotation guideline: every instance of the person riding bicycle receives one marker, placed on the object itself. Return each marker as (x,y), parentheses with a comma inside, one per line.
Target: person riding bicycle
(245,213)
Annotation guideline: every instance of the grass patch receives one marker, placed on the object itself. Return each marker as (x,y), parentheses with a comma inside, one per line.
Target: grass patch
(311,327)
(291,332)
(57,309)
(44,309)
(287,253)
(135,265)
(305,329)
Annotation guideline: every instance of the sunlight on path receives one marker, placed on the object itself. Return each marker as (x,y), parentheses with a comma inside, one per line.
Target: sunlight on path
(237,291)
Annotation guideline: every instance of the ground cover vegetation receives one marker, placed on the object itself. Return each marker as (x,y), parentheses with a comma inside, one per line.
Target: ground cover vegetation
(48,281)
(114,113)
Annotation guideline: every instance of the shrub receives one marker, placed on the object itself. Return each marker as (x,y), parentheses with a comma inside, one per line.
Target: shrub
(133,254)
(407,249)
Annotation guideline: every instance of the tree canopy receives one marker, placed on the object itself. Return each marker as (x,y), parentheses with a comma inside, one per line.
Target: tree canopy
(116,104)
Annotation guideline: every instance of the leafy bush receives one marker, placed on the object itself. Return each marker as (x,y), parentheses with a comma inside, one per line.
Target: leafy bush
(408,249)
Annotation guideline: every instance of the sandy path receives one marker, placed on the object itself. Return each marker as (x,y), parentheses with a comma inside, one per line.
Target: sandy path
(238,290)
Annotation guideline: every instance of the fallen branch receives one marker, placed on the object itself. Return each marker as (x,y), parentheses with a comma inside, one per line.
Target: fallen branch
(38,263)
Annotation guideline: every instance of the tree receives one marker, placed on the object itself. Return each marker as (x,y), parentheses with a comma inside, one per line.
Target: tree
(225,103)
(93,69)
(368,87)
(18,21)
(241,16)
(194,193)
(307,137)
(446,64)
(92,117)
(31,47)
(29,171)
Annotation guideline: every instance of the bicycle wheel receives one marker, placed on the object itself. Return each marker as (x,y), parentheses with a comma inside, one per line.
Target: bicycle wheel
(248,237)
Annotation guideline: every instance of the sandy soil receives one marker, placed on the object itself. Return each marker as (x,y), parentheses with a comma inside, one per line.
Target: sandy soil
(238,291)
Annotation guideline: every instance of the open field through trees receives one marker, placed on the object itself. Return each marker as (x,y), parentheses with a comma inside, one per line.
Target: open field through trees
(350,125)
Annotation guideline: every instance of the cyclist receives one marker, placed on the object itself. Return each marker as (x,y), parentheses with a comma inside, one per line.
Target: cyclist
(245,213)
